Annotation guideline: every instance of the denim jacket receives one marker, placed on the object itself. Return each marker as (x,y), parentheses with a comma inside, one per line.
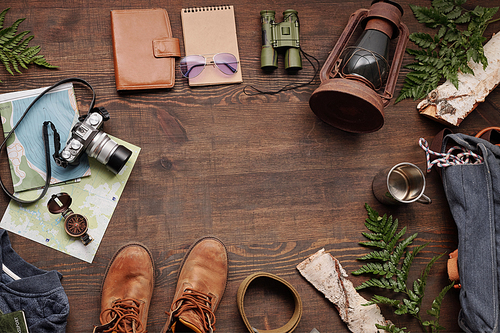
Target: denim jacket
(473,194)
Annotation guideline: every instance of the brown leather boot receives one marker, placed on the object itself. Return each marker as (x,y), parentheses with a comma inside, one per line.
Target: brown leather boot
(201,283)
(127,290)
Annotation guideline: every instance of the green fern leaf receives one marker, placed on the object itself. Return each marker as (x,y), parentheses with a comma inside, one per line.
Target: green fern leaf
(454,13)
(2,17)
(376,299)
(405,268)
(6,62)
(444,6)
(379,243)
(389,269)
(465,18)
(14,50)
(435,310)
(372,236)
(446,53)
(422,39)
(395,238)
(398,252)
(391,328)
(383,255)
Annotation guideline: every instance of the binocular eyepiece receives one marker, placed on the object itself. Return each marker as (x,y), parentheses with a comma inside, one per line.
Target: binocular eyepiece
(280,35)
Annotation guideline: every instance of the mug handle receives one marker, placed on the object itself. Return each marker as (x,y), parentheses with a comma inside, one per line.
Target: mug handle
(424,199)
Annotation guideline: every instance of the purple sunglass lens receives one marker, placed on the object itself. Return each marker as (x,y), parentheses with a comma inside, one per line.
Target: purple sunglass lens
(226,62)
(191,66)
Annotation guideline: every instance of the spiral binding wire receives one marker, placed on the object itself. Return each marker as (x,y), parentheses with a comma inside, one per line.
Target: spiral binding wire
(464,156)
(206,9)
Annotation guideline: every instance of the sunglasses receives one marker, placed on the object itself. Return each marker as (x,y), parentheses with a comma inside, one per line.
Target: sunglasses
(193,65)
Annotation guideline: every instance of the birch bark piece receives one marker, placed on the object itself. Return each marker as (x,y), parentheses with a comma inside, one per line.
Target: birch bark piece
(450,106)
(326,274)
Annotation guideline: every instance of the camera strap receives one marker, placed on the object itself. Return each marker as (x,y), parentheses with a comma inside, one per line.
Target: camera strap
(45,139)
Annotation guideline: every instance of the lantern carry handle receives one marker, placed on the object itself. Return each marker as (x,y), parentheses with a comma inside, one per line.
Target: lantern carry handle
(396,63)
(328,70)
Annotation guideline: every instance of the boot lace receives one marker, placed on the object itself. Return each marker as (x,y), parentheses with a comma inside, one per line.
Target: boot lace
(126,313)
(200,303)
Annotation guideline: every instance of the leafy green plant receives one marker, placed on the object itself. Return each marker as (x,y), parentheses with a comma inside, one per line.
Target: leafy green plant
(14,49)
(442,56)
(389,267)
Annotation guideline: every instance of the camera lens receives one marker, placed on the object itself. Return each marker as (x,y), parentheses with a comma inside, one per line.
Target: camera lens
(118,159)
(108,152)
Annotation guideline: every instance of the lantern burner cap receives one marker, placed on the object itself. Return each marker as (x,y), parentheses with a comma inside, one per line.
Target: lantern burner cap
(395,4)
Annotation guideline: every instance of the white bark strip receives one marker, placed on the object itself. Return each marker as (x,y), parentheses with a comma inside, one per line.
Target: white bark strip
(326,274)
(450,106)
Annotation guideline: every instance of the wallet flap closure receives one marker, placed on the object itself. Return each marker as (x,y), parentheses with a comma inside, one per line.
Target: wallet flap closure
(166,47)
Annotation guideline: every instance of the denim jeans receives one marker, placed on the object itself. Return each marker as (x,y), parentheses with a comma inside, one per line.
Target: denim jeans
(473,194)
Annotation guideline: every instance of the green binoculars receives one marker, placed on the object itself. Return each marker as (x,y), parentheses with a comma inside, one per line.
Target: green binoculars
(280,35)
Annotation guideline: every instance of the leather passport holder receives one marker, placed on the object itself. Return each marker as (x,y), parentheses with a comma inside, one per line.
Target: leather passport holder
(143,48)
(14,322)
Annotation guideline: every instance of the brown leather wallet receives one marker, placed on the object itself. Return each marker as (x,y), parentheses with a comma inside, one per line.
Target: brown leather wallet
(144,49)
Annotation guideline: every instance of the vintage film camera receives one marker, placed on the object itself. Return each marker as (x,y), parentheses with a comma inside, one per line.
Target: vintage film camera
(280,35)
(87,136)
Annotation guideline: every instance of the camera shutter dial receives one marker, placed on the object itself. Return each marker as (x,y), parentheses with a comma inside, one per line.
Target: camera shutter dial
(95,119)
(75,144)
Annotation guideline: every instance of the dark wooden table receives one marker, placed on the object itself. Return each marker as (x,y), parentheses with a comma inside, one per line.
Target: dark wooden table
(263,173)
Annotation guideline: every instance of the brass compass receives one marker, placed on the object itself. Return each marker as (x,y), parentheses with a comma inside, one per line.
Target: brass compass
(75,225)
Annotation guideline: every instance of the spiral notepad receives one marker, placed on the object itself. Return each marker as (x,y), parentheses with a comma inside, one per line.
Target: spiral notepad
(208,31)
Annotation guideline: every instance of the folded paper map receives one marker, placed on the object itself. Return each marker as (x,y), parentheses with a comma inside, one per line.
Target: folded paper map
(25,148)
(95,197)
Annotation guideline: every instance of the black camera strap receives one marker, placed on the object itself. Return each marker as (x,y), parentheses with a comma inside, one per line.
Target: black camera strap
(45,139)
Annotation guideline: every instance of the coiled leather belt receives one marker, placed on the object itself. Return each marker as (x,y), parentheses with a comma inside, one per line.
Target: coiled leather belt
(297,314)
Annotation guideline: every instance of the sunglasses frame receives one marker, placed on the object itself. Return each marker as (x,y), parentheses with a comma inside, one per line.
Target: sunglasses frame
(212,62)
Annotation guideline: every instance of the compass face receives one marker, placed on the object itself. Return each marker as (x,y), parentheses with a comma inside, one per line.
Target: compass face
(76,225)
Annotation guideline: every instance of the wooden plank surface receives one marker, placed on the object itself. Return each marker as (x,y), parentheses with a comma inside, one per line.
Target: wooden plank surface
(262,173)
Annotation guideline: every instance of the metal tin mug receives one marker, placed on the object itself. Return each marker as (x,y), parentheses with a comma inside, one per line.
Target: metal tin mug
(401,184)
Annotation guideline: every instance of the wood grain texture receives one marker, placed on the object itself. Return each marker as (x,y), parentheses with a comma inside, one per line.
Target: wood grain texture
(262,173)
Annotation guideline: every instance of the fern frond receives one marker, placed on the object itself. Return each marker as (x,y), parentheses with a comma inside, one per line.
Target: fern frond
(383,255)
(376,243)
(372,236)
(446,53)
(398,252)
(391,328)
(385,271)
(419,289)
(377,299)
(373,268)
(435,310)
(423,40)
(2,16)
(11,44)
(380,283)
(395,238)
(405,268)
(14,50)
